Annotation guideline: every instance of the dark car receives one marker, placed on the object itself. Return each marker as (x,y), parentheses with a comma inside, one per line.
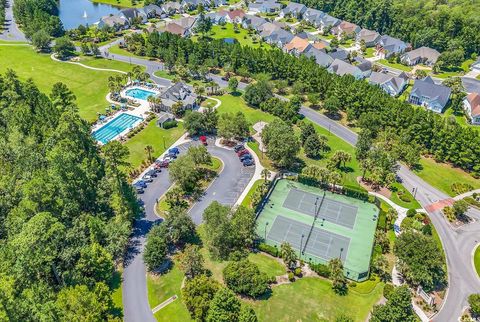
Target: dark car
(151,173)
(171,155)
(242,152)
(238,147)
(139,190)
(174,150)
(246,156)
(248,162)
(161,164)
(140,183)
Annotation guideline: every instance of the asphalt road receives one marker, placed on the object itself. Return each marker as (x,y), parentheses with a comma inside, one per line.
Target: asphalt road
(226,188)
(10,30)
(458,244)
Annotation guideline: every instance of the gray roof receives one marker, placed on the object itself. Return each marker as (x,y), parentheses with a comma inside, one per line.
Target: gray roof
(339,54)
(178,92)
(294,8)
(434,92)
(397,82)
(328,21)
(429,54)
(266,4)
(152,7)
(312,14)
(341,68)
(391,44)
(368,36)
(321,58)
(164,117)
(131,13)
(280,36)
(254,21)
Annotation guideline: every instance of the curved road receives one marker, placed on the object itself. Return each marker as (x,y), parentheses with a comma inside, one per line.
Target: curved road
(226,189)
(457,243)
(10,31)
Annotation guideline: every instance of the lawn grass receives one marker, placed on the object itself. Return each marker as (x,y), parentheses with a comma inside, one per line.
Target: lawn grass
(370,52)
(267,264)
(413,204)
(457,71)
(395,65)
(164,74)
(227,31)
(116,287)
(89,86)
(154,136)
(312,299)
(264,160)
(248,198)
(116,50)
(460,118)
(107,63)
(442,176)
(122,3)
(476,260)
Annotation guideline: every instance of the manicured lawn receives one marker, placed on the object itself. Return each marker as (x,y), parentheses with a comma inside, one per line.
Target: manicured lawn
(442,176)
(413,204)
(312,299)
(461,119)
(116,286)
(227,31)
(164,74)
(89,86)
(264,160)
(267,264)
(122,3)
(107,63)
(476,260)
(248,198)
(370,52)
(395,65)
(116,50)
(464,68)
(154,136)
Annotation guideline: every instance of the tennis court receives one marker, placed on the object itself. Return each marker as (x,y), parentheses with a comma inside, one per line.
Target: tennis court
(320,226)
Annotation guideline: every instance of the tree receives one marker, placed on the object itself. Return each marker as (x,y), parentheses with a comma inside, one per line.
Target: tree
(474,302)
(149,151)
(197,295)
(306,130)
(420,259)
(181,228)
(332,105)
(244,277)
(233,84)
(243,227)
(382,240)
(190,261)
(62,97)
(247,314)
(175,198)
(185,173)
(218,230)
(460,207)
(64,48)
(155,252)
(95,265)
(339,282)
(224,307)
(340,158)
(41,40)
(313,146)
(203,25)
(281,143)
(380,266)
(288,255)
(257,93)
(397,309)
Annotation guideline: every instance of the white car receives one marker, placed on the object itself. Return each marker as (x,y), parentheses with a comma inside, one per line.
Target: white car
(147,178)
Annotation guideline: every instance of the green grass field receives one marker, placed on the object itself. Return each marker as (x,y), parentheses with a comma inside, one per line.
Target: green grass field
(116,50)
(107,63)
(461,119)
(248,198)
(122,3)
(89,86)
(154,136)
(476,260)
(227,31)
(395,65)
(458,71)
(442,176)
(395,197)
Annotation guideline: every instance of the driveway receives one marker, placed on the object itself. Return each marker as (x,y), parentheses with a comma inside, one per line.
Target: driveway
(226,189)
(10,31)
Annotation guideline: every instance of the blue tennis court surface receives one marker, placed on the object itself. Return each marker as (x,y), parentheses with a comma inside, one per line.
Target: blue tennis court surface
(116,126)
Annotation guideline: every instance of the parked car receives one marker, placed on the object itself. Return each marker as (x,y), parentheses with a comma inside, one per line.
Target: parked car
(238,147)
(161,164)
(171,155)
(242,152)
(139,190)
(152,173)
(203,139)
(248,162)
(140,183)
(147,178)
(168,158)
(174,150)
(246,156)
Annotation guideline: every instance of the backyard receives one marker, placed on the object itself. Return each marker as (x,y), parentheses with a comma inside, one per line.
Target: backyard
(241,35)
(89,86)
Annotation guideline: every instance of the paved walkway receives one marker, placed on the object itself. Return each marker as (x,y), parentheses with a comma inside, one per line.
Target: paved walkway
(164,303)
(11,31)
(466,194)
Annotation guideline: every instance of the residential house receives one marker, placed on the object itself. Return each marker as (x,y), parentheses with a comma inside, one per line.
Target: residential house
(217,18)
(293,9)
(171,8)
(339,53)
(297,46)
(153,11)
(321,45)
(312,16)
(472,107)
(235,16)
(188,5)
(179,92)
(267,29)
(326,22)
(321,57)
(342,68)
(132,14)
(370,37)
(346,29)
(364,65)
(279,38)
(164,117)
(388,46)
(265,6)
(393,85)
(430,95)
(422,55)
(254,22)
(113,21)
(176,29)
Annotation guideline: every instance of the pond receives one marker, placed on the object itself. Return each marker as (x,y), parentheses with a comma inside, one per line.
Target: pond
(82,12)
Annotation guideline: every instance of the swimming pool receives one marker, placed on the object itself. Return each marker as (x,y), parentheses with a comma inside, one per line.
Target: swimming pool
(139,93)
(116,126)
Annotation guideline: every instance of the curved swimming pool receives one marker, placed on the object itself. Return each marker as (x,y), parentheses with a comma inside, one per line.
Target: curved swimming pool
(139,93)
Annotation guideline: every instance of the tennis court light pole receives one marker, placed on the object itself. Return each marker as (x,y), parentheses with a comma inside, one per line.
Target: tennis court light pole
(265,238)
(301,246)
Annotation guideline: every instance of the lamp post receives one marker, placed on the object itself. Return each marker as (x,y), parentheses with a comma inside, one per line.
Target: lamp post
(301,246)
(265,234)
(414,190)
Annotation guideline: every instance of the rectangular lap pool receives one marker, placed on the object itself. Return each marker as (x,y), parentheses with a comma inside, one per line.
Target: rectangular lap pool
(139,93)
(116,126)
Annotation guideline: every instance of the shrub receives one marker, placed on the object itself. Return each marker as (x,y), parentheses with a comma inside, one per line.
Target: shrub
(405,197)
(321,270)
(291,277)
(411,212)
(268,249)
(298,272)
(474,302)
(356,192)
(387,290)
(170,124)
(244,277)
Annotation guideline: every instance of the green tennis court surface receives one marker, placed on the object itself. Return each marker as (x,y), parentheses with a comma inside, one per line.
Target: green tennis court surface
(320,226)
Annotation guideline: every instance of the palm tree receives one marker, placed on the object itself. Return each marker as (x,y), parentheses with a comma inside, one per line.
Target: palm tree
(149,151)
(288,255)
(265,174)
(335,178)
